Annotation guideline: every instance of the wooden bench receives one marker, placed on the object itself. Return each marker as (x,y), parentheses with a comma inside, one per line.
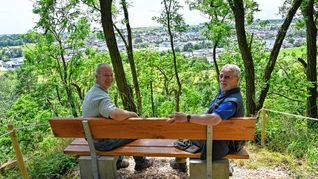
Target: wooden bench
(155,138)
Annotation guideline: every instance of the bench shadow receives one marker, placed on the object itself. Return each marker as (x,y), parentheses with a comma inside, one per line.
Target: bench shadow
(160,169)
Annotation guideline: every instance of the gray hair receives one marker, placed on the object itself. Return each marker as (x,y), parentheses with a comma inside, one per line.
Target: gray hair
(99,66)
(234,68)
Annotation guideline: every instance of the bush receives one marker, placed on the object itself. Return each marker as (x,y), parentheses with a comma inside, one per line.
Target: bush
(52,166)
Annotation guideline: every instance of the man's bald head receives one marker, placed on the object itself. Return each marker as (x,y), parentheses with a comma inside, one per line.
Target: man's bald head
(104,75)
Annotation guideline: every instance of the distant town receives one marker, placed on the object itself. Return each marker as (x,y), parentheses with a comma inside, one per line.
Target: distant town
(189,43)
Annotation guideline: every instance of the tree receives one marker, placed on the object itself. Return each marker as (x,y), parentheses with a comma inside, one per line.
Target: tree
(7,97)
(130,54)
(188,47)
(311,65)
(107,23)
(57,51)
(252,104)
(238,11)
(219,27)
(174,22)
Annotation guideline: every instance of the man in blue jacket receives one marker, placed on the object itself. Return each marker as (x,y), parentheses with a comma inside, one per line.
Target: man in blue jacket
(227,103)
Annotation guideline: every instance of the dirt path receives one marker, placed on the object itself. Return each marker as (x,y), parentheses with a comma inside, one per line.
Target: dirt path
(161,169)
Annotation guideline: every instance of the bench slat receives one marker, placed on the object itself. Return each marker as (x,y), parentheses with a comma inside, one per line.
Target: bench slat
(132,151)
(79,141)
(232,129)
(240,155)
(145,151)
(139,142)
(67,127)
(144,147)
(160,129)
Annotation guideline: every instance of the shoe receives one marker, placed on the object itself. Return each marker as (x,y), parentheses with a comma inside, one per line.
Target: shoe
(145,164)
(122,164)
(182,167)
(231,170)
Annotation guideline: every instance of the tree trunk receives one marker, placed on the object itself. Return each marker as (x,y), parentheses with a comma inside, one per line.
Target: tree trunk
(129,48)
(275,51)
(311,69)
(107,23)
(64,79)
(216,66)
(178,91)
(238,10)
(166,80)
(152,100)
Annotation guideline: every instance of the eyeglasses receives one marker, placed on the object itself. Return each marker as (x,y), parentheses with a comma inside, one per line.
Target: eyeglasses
(226,77)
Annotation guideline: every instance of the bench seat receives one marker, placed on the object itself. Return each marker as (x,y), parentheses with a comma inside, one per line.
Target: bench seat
(143,147)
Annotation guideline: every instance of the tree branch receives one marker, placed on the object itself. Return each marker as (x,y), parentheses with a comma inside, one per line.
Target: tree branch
(289,98)
(78,89)
(275,51)
(121,36)
(302,61)
(92,6)
(52,106)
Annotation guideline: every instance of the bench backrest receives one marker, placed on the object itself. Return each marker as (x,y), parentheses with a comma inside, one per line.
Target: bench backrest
(153,128)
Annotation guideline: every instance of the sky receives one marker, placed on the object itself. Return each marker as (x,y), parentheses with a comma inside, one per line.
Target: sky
(16,16)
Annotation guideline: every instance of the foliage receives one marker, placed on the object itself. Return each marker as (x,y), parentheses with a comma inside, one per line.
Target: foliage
(173,21)
(176,20)
(14,40)
(8,53)
(262,157)
(66,30)
(7,85)
(52,166)
(156,69)
(218,29)
(188,47)
(46,161)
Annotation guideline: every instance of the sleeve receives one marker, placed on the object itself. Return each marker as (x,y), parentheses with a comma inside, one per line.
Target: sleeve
(226,110)
(106,106)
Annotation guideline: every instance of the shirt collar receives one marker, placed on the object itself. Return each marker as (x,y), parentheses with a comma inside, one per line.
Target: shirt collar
(99,86)
(231,91)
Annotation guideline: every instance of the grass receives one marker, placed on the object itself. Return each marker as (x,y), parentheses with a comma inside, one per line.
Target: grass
(263,157)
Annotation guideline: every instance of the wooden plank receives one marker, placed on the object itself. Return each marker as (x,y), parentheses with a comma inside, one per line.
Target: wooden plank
(138,128)
(146,151)
(160,129)
(242,154)
(152,143)
(18,153)
(10,162)
(67,127)
(139,142)
(79,141)
(133,151)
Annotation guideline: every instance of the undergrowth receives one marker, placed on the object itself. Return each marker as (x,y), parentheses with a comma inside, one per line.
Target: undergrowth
(265,157)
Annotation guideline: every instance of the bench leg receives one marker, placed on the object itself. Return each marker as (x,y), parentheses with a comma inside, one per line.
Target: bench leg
(106,167)
(220,169)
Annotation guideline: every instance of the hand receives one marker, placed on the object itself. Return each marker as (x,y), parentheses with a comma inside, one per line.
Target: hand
(177,117)
(133,114)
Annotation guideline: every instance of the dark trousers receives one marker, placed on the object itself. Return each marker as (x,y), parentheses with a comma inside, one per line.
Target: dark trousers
(110,144)
(219,150)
